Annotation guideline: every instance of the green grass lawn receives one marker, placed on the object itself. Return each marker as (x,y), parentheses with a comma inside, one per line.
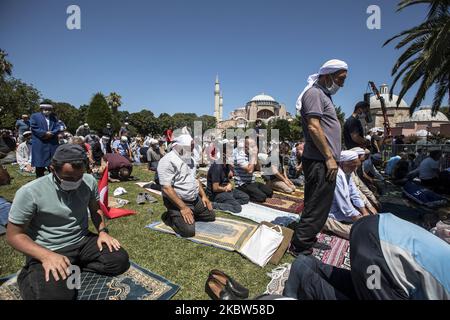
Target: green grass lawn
(180,261)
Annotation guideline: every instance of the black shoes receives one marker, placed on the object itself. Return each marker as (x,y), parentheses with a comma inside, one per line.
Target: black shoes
(220,286)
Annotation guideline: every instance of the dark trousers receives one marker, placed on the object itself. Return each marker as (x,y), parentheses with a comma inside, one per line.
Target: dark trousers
(230,201)
(174,218)
(319,194)
(40,171)
(311,279)
(85,255)
(257,191)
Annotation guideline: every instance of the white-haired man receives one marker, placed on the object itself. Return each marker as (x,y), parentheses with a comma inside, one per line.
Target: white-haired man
(347,205)
(322,149)
(183,194)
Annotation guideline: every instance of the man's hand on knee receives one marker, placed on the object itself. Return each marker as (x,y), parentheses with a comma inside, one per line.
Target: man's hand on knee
(57,265)
(187,215)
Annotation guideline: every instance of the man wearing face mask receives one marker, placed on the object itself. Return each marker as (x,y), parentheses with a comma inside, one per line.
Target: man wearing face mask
(45,129)
(322,149)
(353,129)
(183,193)
(23,153)
(48,222)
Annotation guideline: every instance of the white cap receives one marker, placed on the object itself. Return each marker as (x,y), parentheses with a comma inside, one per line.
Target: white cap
(123,138)
(348,155)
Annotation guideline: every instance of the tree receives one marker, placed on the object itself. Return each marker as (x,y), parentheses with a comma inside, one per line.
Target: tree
(114,101)
(98,113)
(70,115)
(16,98)
(427,59)
(5,66)
(144,121)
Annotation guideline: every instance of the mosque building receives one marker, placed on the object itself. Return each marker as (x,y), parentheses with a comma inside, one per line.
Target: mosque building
(261,107)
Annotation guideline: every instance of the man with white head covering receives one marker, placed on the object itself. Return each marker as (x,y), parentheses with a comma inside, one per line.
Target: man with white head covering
(83,130)
(183,194)
(153,155)
(45,130)
(123,148)
(347,205)
(322,131)
(23,153)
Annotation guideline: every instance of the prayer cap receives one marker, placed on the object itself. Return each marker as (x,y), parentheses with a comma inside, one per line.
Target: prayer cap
(183,140)
(348,155)
(45,106)
(69,152)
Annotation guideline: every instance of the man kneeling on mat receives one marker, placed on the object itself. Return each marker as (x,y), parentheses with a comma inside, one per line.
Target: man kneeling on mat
(48,222)
(183,194)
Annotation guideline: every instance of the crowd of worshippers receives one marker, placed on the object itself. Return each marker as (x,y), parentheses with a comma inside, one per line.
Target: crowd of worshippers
(341,196)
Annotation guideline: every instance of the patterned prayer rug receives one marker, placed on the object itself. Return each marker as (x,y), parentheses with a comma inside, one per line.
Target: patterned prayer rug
(332,250)
(135,284)
(328,249)
(297,194)
(284,202)
(223,233)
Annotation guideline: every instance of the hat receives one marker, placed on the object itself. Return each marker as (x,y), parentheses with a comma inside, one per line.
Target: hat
(154,141)
(183,140)
(69,153)
(123,138)
(358,150)
(27,133)
(45,106)
(348,155)
(86,125)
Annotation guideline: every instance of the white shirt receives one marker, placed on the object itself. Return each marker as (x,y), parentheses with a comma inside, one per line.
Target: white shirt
(23,155)
(428,169)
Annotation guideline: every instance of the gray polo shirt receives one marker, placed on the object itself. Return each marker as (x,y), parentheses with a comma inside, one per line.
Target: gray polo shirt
(54,218)
(316,103)
(173,171)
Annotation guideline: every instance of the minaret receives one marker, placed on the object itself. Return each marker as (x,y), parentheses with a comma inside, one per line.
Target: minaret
(221,107)
(216,98)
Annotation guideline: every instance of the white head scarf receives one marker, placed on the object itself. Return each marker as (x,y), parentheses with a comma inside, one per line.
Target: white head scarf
(331,66)
(183,140)
(348,155)
(358,150)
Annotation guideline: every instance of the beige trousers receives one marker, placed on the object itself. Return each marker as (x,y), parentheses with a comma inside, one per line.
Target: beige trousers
(338,228)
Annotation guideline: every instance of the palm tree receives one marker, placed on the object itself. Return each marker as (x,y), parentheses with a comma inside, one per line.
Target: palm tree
(427,57)
(5,65)
(114,101)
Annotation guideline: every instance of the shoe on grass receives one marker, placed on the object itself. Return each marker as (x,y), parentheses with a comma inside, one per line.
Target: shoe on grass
(149,198)
(140,199)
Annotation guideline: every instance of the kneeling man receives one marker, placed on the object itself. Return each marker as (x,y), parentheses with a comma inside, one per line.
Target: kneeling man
(347,205)
(48,222)
(183,194)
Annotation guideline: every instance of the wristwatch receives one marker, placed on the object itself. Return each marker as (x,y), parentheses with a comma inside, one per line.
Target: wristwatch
(105,229)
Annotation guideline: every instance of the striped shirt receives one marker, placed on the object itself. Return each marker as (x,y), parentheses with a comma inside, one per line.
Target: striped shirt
(241,161)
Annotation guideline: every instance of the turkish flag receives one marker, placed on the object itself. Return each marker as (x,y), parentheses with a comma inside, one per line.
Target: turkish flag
(111,213)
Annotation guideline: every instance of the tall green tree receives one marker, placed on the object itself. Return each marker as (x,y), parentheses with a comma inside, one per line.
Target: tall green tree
(144,122)
(5,66)
(426,60)
(69,114)
(16,98)
(114,101)
(98,113)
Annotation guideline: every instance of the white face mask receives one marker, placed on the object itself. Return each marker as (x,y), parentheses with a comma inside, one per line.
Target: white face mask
(333,89)
(69,185)
(46,112)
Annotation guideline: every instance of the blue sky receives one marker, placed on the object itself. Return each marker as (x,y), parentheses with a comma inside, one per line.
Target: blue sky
(164,55)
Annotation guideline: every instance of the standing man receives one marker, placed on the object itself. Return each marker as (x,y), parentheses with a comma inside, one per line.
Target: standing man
(322,149)
(108,131)
(45,129)
(22,125)
(83,130)
(353,129)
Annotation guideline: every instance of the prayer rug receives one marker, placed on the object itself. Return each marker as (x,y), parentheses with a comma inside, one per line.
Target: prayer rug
(135,284)
(284,203)
(222,233)
(260,213)
(297,194)
(332,250)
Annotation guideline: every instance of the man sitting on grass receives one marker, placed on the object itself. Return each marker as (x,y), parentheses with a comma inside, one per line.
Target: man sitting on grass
(48,222)
(183,194)
(219,188)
